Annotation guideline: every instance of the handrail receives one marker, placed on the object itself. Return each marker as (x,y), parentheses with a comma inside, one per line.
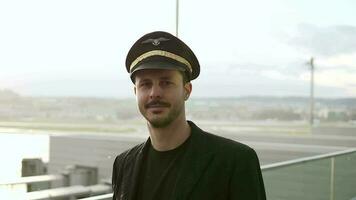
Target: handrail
(99,197)
(70,191)
(32,179)
(306,159)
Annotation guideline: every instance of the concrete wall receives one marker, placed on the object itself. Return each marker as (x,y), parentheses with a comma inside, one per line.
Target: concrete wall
(92,150)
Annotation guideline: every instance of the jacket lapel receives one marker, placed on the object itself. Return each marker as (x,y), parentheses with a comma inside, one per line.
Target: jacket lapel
(196,159)
(132,178)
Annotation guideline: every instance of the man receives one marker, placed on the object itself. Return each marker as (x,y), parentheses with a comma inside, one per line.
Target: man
(179,160)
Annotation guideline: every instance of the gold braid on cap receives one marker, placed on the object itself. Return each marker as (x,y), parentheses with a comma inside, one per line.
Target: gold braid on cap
(164,54)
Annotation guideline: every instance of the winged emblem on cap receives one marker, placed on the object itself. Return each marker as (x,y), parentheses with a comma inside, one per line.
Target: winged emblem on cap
(156,41)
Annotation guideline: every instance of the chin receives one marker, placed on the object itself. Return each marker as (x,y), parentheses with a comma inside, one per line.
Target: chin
(160,123)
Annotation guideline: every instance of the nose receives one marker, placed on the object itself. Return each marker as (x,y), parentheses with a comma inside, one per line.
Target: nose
(156,92)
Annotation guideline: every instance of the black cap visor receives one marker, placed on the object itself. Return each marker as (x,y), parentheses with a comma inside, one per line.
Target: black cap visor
(157,65)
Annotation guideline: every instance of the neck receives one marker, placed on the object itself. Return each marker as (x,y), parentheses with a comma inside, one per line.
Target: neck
(171,136)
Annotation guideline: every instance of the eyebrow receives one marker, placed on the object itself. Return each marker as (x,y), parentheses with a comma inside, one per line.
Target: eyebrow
(166,78)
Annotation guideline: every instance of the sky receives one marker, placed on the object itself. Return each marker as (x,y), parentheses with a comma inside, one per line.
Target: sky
(78,47)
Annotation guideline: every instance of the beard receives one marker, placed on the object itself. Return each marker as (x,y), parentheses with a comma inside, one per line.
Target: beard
(166,119)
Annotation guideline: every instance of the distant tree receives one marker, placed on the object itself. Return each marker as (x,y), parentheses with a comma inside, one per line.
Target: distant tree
(337,116)
(278,114)
(353,115)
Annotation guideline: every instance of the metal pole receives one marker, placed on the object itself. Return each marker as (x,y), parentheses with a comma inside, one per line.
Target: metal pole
(311,92)
(177,16)
(332,176)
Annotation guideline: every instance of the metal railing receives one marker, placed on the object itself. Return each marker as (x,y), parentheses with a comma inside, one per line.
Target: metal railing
(329,176)
(70,192)
(32,179)
(100,197)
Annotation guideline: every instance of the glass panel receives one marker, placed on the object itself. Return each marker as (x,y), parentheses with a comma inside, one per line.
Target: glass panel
(345,177)
(300,181)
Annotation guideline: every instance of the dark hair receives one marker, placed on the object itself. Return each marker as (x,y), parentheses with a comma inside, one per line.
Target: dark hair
(185,77)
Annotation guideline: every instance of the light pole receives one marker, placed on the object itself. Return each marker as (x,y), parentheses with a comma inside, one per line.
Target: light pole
(311,100)
(177,16)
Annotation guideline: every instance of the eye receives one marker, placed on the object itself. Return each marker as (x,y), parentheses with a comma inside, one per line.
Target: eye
(166,83)
(144,84)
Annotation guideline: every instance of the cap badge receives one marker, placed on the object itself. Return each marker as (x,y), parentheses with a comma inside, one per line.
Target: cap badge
(156,41)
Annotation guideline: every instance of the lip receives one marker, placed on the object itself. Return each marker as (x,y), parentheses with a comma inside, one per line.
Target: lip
(156,109)
(157,105)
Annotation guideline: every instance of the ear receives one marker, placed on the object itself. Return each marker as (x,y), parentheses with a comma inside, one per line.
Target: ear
(188,89)
(135,89)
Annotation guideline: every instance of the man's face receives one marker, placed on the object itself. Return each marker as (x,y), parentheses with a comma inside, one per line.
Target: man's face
(160,95)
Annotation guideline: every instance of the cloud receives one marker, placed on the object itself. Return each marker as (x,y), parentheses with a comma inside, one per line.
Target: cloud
(276,75)
(334,78)
(294,67)
(346,62)
(326,41)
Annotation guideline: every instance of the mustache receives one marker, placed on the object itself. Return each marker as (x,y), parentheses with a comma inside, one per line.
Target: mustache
(157,103)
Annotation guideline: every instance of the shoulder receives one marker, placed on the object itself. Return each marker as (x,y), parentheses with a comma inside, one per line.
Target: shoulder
(216,142)
(239,156)
(221,145)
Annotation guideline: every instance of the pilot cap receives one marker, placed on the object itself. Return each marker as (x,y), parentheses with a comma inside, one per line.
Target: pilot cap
(162,50)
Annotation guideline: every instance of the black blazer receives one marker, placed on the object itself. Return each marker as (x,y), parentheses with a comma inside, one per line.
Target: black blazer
(214,168)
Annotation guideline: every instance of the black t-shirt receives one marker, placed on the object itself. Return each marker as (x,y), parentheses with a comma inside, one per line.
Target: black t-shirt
(159,172)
